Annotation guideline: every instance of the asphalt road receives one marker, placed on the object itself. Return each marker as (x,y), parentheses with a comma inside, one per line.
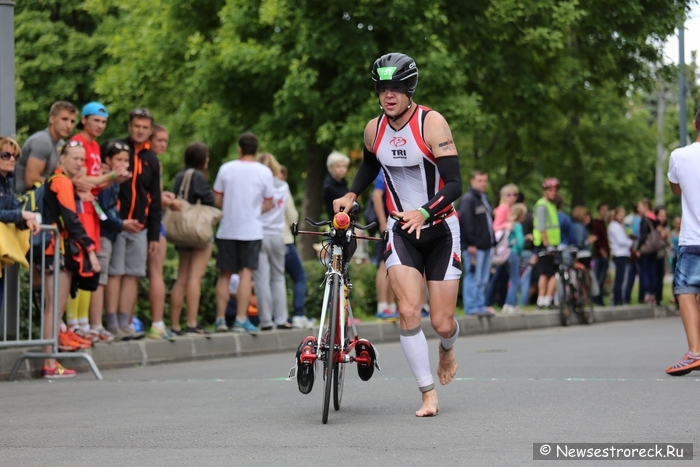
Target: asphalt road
(604,383)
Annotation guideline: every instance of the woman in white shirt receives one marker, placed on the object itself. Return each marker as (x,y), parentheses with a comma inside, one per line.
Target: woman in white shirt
(620,245)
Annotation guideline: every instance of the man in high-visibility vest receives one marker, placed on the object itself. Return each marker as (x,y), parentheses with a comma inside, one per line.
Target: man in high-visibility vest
(546,233)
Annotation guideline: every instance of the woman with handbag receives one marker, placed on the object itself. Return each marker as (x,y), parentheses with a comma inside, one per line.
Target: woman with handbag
(191,187)
(647,248)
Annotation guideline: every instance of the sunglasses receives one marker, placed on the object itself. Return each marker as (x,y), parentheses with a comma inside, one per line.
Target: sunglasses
(512,195)
(71,144)
(6,156)
(121,146)
(141,113)
(394,87)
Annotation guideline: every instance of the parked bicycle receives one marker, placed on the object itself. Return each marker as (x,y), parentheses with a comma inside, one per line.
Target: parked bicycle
(335,344)
(574,284)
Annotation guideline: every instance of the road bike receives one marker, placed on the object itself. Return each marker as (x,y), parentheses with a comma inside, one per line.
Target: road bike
(574,284)
(337,342)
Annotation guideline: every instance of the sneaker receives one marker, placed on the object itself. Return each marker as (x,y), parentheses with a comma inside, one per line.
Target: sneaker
(84,343)
(688,363)
(197,330)
(220,325)
(117,334)
(160,334)
(245,326)
(386,314)
(424,313)
(57,372)
(66,343)
(302,322)
(101,335)
(130,334)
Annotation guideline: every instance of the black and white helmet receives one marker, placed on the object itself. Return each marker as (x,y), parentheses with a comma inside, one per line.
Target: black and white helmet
(395,71)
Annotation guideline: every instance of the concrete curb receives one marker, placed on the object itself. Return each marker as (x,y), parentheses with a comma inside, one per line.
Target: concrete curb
(147,352)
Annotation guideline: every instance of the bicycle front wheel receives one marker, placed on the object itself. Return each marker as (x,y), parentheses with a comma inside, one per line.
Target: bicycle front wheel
(338,381)
(329,365)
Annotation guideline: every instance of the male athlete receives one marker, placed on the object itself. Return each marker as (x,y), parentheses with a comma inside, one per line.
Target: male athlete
(414,147)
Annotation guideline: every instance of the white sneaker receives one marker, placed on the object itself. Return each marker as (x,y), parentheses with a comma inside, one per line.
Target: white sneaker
(302,322)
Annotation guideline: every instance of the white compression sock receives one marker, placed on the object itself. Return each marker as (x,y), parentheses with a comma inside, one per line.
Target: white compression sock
(450,341)
(415,348)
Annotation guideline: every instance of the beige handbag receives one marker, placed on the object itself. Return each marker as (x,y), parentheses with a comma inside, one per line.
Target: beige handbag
(193,225)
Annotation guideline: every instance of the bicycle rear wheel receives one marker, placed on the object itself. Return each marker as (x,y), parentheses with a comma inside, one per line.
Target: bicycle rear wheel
(338,382)
(584,310)
(564,305)
(329,365)
(339,371)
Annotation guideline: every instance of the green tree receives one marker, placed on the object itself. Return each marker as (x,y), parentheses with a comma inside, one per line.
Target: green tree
(57,52)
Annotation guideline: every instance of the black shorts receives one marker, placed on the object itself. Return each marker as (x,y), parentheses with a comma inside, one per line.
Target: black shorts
(437,254)
(234,255)
(545,263)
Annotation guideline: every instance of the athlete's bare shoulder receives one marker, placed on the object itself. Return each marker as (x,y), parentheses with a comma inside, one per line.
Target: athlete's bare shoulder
(438,136)
(371,132)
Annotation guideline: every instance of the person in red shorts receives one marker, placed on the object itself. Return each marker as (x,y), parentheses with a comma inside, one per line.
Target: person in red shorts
(85,310)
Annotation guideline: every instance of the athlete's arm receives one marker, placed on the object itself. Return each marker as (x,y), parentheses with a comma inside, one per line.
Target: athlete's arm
(367,173)
(438,137)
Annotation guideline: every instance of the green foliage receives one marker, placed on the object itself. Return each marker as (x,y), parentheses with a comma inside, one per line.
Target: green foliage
(363,295)
(531,88)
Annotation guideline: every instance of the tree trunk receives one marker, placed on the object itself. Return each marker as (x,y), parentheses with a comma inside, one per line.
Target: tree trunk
(660,177)
(313,201)
(578,171)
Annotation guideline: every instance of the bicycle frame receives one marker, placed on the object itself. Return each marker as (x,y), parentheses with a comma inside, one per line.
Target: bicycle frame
(570,286)
(332,345)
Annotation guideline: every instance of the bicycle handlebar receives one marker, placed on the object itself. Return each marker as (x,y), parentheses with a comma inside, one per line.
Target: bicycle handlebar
(333,232)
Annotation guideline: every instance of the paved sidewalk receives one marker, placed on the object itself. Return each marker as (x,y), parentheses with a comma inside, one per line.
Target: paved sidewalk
(147,351)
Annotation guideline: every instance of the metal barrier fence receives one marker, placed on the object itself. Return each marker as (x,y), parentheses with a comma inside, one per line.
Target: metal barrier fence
(18,327)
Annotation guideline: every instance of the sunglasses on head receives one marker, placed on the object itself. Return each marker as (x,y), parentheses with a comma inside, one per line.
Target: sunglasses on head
(71,144)
(141,113)
(121,146)
(6,156)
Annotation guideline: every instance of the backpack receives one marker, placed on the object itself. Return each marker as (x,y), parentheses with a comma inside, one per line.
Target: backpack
(500,252)
(33,201)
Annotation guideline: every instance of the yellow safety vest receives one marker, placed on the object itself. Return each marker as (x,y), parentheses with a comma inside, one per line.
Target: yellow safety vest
(551,225)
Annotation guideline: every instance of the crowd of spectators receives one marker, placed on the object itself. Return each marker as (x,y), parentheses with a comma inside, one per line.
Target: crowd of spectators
(108,201)
(613,238)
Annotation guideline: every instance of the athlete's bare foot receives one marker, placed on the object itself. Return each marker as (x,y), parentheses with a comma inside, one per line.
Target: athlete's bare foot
(447,368)
(430,406)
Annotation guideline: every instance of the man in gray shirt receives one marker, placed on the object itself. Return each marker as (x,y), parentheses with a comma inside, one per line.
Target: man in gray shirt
(39,156)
